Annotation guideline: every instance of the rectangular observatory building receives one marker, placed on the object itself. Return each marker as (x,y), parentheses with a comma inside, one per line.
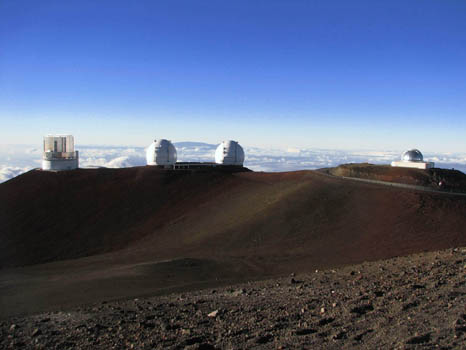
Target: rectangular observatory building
(416,165)
(59,153)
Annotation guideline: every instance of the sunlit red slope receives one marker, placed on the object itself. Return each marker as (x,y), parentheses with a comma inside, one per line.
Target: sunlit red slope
(274,220)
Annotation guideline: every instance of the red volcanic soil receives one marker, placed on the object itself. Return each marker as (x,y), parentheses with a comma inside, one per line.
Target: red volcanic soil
(49,216)
(206,228)
(435,178)
(413,302)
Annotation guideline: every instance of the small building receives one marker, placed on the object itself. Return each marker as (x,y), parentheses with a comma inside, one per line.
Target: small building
(413,159)
(162,153)
(229,153)
(59,153)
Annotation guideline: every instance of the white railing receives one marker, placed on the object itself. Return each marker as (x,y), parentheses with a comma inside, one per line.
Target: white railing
(60,155)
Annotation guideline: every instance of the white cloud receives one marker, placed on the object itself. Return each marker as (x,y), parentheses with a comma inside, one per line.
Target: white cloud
(15,160)
(125,162)
(7,172)
(111,157)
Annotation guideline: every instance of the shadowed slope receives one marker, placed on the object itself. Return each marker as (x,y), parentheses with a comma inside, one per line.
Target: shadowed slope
(164,214)
(297,220)
(140,231)
(47,216)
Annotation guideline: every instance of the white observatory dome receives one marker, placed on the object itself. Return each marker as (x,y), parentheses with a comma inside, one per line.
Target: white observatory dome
(413,155)
(161,152)
(229,153)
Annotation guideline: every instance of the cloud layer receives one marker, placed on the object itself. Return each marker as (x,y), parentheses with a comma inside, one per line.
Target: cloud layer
(15,160)
(8,172)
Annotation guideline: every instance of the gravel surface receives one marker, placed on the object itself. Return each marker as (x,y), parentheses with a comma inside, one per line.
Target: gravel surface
(414,302)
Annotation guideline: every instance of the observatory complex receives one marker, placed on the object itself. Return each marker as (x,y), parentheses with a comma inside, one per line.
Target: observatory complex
(59,153)
(413,159)
(229,153)
(161,152)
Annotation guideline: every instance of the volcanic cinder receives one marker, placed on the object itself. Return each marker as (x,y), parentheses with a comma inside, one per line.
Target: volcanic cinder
(91,235)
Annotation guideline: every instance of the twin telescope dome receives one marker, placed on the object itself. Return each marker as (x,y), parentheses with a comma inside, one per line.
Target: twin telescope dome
(229,153)
(163,152)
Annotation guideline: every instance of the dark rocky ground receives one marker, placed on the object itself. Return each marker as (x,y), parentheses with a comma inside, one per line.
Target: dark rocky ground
(413,302)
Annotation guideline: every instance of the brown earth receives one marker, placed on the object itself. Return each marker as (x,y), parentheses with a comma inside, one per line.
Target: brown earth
(88,235)
(448,180)
(413,302)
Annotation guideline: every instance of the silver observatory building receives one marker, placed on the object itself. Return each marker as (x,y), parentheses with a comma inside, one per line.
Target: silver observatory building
(59,153)
(413,158)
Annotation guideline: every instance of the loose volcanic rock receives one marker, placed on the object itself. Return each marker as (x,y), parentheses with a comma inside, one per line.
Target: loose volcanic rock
(273,314)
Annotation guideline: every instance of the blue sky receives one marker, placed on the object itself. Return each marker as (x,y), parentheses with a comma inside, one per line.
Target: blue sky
(327,74)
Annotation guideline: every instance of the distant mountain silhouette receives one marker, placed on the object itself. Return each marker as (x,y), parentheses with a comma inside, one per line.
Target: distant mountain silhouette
(195,144)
